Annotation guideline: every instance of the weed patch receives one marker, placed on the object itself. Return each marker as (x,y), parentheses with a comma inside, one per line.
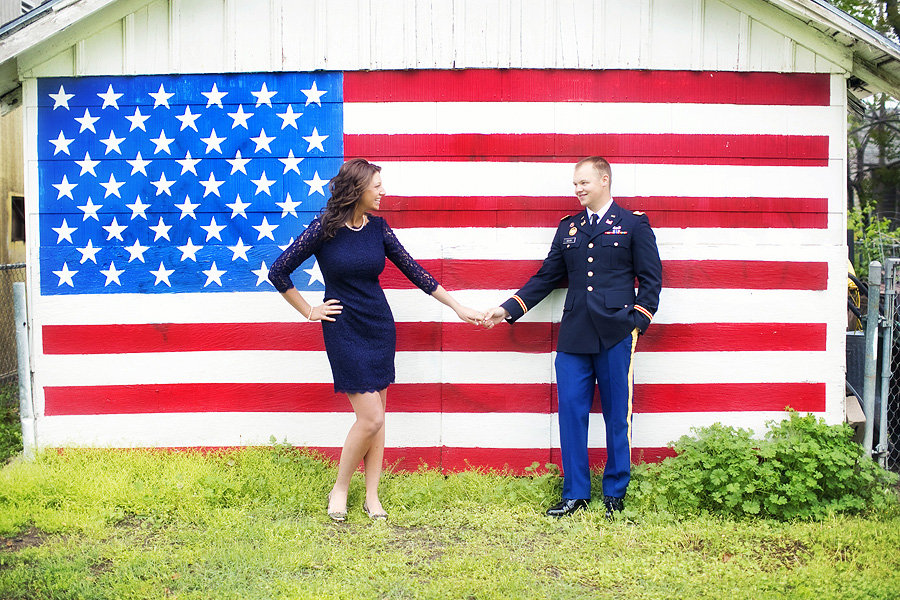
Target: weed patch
(10,426)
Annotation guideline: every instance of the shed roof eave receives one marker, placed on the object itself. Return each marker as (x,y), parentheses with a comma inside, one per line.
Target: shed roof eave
(876,78)
(876,58)
(840,22)
(48,20)
(9,77)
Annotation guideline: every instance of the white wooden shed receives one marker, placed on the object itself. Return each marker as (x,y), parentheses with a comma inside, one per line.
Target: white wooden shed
(725,121)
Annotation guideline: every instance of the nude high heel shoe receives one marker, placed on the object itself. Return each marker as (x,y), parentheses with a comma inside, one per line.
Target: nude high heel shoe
(338,516)
(374,516)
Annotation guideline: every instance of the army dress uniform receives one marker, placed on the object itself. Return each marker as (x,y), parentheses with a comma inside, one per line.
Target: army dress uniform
(600,323)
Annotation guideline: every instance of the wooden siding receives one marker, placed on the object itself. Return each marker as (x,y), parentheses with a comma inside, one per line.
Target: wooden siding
(197,36)
(11,182)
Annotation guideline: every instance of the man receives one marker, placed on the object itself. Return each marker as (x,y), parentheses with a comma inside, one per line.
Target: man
(602,250)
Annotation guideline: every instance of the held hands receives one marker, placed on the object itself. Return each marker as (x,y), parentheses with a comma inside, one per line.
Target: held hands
(469,315)
(486,319)
(492,317)
(324,311)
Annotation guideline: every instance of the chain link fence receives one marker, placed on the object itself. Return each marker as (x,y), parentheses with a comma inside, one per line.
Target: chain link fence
(891,329)
(9,274)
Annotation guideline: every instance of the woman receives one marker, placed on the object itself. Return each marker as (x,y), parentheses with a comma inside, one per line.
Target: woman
(350,245)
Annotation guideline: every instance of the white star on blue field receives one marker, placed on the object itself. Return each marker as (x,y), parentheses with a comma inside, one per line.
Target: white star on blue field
(188,183)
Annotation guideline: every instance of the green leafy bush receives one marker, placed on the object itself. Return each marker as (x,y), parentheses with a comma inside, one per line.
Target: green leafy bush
(873,235)
(801,469)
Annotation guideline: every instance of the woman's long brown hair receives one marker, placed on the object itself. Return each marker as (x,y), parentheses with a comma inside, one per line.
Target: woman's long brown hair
(346,188)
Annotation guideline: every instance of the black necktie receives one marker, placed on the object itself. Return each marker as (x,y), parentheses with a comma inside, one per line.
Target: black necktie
(594,221)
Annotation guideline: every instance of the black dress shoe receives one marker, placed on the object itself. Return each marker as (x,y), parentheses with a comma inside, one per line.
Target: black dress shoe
(612,505)
(566,506)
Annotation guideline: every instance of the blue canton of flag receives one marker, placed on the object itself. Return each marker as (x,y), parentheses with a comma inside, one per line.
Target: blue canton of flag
(189,183)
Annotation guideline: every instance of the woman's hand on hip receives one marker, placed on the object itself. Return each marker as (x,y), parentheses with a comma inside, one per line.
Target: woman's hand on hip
(326,311)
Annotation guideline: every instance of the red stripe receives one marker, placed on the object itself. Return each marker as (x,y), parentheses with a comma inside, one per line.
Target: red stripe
(552,85)
(460,274)
(730,337)
(225,397)
(745,274)
(418,336)
(720,397)
(740,205)
(517,211)
(395,459)
(513,461)
(521,461)
(724,149)
(300,336)
(568,204)
(424,398)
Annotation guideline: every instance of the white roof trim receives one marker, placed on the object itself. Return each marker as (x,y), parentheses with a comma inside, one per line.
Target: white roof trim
(827,14)
(62,15)
(876,58)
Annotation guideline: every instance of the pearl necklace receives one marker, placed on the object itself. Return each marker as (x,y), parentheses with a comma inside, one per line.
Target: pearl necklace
(351,228)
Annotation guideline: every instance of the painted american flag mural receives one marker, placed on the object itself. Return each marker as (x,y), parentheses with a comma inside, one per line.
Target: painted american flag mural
(163,199)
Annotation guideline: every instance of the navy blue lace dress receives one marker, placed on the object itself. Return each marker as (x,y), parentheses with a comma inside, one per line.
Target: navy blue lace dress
(362,340)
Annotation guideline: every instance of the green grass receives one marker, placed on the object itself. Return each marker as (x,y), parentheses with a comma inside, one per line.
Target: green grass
(104,524)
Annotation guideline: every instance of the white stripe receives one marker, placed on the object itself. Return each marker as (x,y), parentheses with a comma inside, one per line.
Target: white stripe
(416,430)
(533,243)
(497,430)
(684,306)
(688,306)
(228,429)
(422,367)
(411,305)
(735,367)
(555,179)
(654,430)
(691,243)
(389,118)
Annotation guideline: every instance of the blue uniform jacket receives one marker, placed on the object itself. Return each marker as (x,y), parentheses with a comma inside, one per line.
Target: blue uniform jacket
(601,306)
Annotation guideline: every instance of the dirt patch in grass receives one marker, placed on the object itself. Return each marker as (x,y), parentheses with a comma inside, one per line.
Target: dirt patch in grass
(101,567)
(780,554)
(422,539)
(552,571)
(29,538)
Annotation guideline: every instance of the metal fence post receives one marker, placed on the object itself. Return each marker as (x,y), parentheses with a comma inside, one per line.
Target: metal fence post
(26,408)
(887,342)
(871,353)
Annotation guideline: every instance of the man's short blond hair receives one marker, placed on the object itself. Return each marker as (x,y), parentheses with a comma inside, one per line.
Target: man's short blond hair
(599,163)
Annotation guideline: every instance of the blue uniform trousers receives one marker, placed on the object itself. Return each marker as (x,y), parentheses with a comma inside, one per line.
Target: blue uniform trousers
(576,374)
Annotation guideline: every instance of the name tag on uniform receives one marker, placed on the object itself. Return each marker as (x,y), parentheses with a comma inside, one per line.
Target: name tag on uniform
(569,240)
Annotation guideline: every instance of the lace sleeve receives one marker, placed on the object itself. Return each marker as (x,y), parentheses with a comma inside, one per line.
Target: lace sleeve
(398,255)
(302,248)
